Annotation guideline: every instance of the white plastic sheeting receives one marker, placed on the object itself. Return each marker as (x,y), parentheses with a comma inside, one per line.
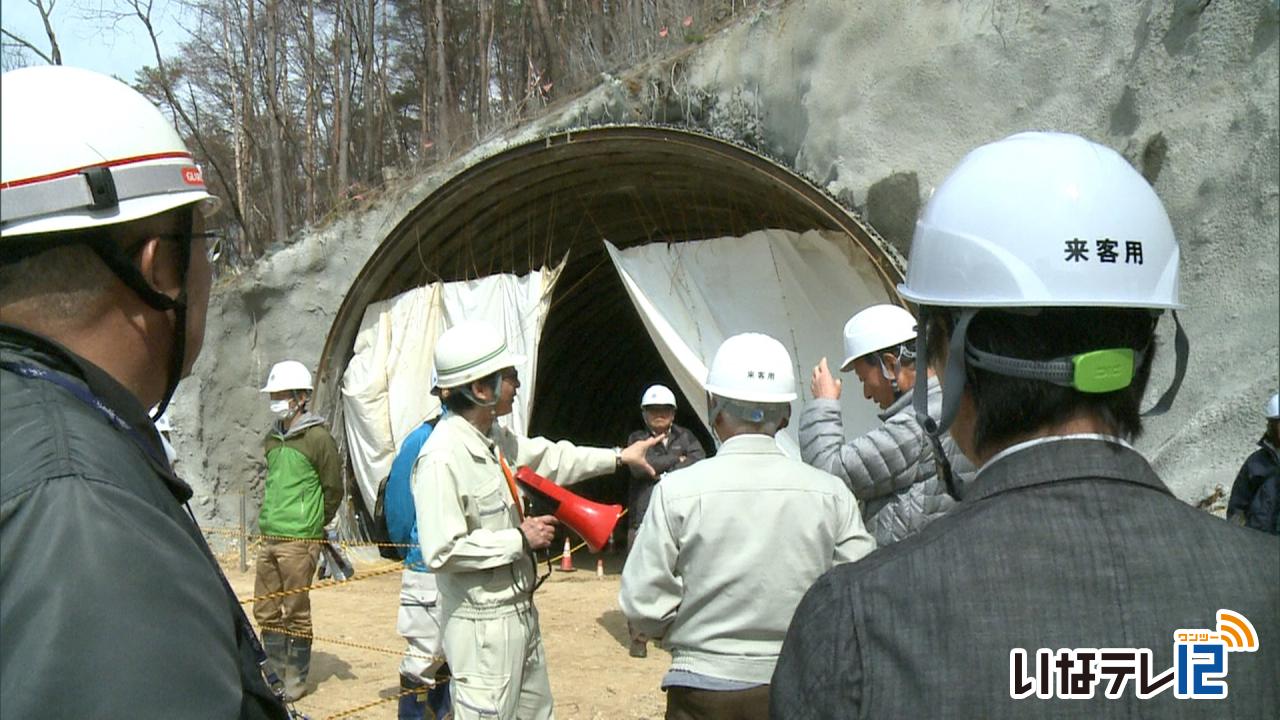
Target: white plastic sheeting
(386,388)
(798,288)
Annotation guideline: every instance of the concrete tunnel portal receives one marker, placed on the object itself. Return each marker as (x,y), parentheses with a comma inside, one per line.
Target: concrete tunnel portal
(531,204)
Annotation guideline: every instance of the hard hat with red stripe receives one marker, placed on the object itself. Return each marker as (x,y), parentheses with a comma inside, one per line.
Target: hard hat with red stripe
(83,150)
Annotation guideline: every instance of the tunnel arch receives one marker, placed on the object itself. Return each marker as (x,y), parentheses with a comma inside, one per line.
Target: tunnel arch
(531,204)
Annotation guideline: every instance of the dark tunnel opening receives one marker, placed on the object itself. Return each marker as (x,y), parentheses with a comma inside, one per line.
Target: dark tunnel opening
(592,371)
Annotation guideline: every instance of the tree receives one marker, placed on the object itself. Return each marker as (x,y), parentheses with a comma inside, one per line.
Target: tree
(550,47)
(296,107)
(54,56)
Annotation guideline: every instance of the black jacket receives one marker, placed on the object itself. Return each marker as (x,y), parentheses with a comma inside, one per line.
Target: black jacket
(1253,495)
(1264,511)
(1074,543)
(111,604)
(681,449)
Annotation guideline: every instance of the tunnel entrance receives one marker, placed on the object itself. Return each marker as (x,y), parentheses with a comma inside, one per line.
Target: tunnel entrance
(592,371)
(593,368)
(560,197)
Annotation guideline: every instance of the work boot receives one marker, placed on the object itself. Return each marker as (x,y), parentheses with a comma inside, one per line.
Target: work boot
(639,643)
(413,705)
(276,646)
(639,646)
(299,663)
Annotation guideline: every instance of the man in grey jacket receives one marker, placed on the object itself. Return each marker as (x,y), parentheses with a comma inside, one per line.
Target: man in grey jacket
(111,605)
(729,545)
(891,469)
(1069,582)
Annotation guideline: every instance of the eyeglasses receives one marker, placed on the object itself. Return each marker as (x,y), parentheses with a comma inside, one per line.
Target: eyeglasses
(212,238)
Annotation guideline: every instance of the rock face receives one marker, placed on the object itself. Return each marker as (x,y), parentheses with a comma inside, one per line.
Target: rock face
(876,101)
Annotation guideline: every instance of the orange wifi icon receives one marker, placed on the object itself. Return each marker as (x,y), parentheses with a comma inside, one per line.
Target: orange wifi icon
(1237,632)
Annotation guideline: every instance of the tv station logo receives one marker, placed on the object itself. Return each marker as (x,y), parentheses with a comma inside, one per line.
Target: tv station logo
(1199,671)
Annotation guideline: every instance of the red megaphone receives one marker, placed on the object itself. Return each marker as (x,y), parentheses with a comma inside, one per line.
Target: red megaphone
(592,520)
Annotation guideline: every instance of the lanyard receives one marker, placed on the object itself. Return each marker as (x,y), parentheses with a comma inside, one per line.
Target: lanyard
(533,554)
(511,483)
(84,395)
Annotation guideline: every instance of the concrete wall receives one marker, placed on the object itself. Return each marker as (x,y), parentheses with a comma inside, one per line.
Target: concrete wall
(876,101)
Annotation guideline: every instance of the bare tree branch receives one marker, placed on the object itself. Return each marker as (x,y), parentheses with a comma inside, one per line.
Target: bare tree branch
(28,46)
(55,54)
(142,9)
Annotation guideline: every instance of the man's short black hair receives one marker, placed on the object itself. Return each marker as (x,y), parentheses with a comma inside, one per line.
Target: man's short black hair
(1008,407)
(64,279)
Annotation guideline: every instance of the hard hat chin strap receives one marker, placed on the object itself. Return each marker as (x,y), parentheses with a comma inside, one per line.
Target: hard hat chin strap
(953,382)
(1181,354)
(497,388)
(903,353)
(123,267)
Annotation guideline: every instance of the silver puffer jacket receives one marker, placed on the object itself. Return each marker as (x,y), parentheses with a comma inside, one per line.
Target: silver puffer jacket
(891,470)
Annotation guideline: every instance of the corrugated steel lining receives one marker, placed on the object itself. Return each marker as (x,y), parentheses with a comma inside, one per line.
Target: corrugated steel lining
(531,204)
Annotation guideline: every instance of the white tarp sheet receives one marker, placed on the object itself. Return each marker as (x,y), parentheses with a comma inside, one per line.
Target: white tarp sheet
(798,288)
(386,387)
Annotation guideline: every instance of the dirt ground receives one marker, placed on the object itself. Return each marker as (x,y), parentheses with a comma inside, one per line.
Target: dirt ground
(592,675)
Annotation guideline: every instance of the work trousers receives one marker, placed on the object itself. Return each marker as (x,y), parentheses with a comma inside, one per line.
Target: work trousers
(419,624)
(499,667)
(284,565)
(692,704)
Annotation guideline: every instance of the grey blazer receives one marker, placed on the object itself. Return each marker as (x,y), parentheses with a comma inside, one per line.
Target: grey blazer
(1074,543)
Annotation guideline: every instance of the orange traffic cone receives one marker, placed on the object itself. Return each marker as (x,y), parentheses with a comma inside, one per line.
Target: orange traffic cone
(599,567)
(566,558)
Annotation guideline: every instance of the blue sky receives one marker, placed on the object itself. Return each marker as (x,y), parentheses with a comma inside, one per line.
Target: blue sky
(93,43)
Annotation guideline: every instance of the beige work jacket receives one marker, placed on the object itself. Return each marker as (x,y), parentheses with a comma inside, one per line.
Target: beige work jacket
(727,549)
(468,522)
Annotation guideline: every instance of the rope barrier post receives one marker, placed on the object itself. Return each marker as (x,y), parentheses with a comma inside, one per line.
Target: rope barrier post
(244,534)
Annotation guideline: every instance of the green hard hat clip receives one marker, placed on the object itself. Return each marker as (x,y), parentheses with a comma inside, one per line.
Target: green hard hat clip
(1102,371)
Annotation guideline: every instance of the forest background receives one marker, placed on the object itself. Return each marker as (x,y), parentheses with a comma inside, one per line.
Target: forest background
(301,109)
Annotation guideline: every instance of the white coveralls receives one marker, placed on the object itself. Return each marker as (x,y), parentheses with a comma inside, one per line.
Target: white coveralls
(469,527)
(418,622)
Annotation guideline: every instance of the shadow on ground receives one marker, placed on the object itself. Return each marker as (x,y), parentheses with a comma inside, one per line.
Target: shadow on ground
(615,623)
(325,666)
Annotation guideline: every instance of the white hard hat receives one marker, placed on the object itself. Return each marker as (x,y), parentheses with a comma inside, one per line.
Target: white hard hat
(470,351)
(658,395)
(1273,407)
(876,328)
(83,150)
(752,367)
(1043,220)
(288,375)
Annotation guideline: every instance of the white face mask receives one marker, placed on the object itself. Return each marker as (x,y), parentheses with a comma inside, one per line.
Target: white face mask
(281,408)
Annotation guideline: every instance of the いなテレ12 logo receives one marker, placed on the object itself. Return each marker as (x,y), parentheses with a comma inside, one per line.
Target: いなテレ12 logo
(1199,671)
